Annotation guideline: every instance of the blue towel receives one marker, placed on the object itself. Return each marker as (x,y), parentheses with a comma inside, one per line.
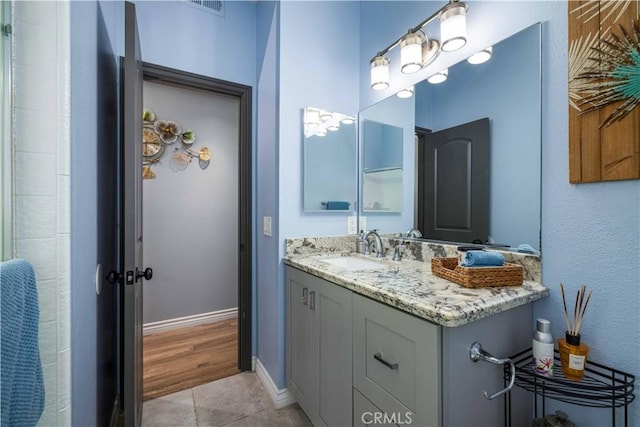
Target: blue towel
(483,259)
(527,249)
(20,367)
(334,205)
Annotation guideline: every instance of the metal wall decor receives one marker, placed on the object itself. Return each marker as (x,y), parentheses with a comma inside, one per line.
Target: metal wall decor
(158,134)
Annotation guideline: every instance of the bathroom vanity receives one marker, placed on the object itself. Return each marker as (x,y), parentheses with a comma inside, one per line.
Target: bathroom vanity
(386,342)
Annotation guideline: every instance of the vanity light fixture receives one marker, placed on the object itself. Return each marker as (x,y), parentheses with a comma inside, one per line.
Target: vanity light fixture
(379,73)
(334,125)
(438,77)
(453,26)
(317,122)
(480,57)
(417,50)
(325,115)
(411,52)
(406,93)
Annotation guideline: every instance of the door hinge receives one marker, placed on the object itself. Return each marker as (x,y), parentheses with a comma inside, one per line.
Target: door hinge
(6,30)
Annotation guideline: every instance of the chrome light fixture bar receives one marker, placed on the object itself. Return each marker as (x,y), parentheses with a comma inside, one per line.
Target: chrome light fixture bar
(417,50)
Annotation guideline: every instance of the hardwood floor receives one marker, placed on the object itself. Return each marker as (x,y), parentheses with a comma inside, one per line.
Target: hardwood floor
(184,358)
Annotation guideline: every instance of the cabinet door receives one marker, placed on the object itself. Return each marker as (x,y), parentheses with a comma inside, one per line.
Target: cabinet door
(333,315)
(396,361)
(302,343)
(366,413)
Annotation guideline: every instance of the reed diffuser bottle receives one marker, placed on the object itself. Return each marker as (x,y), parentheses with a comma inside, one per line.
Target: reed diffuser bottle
(573,353)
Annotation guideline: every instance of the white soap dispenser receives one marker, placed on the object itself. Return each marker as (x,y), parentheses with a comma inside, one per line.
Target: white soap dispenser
(542,348)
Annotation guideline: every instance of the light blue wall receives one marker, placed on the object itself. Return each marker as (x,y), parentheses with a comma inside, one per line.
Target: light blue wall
(269,304)
(176,35)
(590,232)
(318,66)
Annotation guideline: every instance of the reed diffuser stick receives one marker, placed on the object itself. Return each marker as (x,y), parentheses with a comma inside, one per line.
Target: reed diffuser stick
(575,312)
(566,313)
(584,308)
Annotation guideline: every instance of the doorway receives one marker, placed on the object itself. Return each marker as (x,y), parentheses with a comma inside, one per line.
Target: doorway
(197,214)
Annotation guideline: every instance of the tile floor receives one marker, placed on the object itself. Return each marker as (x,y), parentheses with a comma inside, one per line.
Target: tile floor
(236,401)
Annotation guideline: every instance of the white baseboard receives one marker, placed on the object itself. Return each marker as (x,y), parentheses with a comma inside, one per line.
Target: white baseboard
(280,398)
(253,363)
(196,319)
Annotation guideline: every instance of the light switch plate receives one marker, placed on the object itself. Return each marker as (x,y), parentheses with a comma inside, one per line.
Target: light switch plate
(363,224)
(352,225)
(266,225)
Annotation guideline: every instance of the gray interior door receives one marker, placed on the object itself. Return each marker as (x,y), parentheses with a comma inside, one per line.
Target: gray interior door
(453,183)
(131,222)
(107,210)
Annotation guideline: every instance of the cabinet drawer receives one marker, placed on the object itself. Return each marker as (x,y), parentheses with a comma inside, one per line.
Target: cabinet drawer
(396,360)
(390,361)
(366,413)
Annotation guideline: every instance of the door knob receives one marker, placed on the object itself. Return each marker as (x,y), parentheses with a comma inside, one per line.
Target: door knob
(147,274)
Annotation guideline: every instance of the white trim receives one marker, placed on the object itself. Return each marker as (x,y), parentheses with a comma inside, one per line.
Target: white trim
(253,363)
(280,398)
(194,320)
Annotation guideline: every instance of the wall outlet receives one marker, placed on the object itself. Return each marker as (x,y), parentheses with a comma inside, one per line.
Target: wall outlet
(352,225)
(266,225)
(363,224)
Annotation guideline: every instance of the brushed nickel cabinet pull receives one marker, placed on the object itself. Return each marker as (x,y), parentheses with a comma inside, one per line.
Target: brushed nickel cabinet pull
(312,300)
(379,358)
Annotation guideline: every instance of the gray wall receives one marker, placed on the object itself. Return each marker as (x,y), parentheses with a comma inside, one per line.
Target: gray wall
(190,218)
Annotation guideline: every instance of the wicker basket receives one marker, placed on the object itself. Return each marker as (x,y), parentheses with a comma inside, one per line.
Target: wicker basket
(477,277)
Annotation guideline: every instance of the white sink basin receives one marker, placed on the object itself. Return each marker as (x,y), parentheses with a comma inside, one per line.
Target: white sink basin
(353,263)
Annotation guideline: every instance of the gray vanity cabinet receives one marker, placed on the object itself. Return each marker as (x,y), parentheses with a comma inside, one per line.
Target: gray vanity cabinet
(351,360)
(396,364)
(319,348)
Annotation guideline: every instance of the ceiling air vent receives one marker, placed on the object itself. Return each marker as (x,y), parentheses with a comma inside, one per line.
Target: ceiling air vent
(212,6)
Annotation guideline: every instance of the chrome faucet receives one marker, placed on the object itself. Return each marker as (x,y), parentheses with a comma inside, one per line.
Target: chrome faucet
(397,252)
(414,232)
(378,242)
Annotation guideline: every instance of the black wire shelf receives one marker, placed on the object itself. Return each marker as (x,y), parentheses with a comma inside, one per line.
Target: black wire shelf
(601,387)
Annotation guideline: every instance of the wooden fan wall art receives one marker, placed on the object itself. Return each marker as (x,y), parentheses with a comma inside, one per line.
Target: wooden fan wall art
(604,90)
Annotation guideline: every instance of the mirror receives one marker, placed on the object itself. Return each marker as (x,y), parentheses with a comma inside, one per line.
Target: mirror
(386,134)
(381,167)
(330,161)
(506,90)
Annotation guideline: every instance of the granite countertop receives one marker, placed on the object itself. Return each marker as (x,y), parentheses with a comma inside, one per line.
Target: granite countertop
(409,285)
